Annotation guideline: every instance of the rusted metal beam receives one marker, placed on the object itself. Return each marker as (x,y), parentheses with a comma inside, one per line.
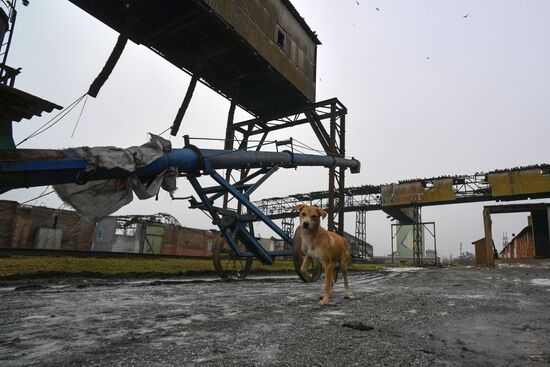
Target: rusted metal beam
(184,105)
(228,144)
(109,66)
(320,132)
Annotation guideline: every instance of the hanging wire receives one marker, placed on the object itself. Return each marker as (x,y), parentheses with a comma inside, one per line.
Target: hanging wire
(54,120)
(169,127)
(221,139)
(80,115)
(46,189)
(305,146)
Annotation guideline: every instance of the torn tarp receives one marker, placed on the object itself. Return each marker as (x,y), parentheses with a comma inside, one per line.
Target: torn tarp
(100,198)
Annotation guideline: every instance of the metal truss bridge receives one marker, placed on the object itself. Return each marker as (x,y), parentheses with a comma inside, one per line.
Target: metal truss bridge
(510,184)
(404,199)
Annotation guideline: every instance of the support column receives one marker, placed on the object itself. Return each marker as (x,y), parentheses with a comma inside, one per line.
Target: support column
(228,145)
(336,175)
(418,238)
(487,224)
(361,232)
(332,172)
(342,174)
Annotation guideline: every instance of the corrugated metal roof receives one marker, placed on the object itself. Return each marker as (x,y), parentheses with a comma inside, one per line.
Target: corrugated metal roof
(16,105)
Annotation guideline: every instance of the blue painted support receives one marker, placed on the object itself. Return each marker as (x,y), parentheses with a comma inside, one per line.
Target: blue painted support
(254,246)
(54,165)
(216,220)
(238,183)
(241,233)
(248,204)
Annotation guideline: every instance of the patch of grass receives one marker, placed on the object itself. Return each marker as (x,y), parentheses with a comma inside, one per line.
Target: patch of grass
(29,265)
(108,266)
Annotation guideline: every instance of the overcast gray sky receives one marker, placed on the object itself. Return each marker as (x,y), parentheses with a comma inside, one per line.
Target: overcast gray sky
(429,93)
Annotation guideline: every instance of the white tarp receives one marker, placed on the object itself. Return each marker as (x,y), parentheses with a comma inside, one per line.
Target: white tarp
(98,199)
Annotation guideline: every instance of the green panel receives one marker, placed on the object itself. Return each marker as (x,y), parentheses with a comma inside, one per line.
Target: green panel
(155,231)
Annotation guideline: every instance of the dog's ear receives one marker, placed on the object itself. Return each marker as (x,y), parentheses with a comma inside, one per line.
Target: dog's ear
(298,208)
(322,212)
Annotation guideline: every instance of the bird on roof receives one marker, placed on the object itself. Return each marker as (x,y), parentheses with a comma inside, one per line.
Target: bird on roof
(465,16)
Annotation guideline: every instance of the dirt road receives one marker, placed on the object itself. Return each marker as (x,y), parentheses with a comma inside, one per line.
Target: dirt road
(445,317)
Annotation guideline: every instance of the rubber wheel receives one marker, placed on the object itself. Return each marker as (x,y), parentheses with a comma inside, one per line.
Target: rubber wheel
(227,264)
(313,269)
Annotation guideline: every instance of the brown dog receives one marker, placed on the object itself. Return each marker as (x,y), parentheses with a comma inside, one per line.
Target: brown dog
(327,248)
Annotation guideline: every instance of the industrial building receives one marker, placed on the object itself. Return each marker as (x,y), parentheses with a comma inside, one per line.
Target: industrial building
(38,227)
(25,227)
(533,241)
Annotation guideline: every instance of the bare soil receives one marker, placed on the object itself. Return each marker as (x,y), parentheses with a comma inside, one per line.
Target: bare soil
(399,317)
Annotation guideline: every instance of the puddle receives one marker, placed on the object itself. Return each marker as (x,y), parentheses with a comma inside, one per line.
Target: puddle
(334,313)
(402,270)
(541,282)
(466,296)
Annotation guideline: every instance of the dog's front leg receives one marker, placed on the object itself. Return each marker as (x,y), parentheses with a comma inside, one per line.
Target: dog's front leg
(329,274)
(303,268)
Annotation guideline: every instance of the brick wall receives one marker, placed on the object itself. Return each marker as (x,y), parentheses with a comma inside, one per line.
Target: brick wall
(522,246)
(186,241)
(7,214)
(18,228)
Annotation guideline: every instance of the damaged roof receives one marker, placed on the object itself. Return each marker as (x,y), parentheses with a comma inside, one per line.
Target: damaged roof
(16,105)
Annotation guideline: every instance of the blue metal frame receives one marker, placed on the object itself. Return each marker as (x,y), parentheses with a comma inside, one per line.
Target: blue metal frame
(233,225)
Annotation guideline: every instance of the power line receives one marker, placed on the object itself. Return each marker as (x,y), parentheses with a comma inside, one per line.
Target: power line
(59,116)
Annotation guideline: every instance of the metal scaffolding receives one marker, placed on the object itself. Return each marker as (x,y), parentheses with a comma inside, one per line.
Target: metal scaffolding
(361,233)
(240,136)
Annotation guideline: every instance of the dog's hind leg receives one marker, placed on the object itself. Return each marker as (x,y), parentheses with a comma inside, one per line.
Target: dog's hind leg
(336,270)
(344,265)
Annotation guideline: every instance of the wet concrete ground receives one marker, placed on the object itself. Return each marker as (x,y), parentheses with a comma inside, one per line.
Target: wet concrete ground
(442,317)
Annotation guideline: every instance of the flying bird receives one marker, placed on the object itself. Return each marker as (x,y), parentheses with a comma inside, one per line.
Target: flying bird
(357,2)
(465,16)
(377,9)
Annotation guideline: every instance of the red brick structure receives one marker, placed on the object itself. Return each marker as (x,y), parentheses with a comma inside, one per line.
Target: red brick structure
(18,225)
(184,241)
(522,246)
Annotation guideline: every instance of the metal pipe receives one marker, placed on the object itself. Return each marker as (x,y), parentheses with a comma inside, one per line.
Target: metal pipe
(27,167)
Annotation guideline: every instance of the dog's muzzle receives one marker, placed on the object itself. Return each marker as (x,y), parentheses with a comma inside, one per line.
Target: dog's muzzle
(306,225)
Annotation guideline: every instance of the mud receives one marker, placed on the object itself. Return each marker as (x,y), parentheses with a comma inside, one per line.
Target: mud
(441,317)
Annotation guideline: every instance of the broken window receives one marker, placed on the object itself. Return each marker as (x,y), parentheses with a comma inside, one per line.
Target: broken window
(281,37)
